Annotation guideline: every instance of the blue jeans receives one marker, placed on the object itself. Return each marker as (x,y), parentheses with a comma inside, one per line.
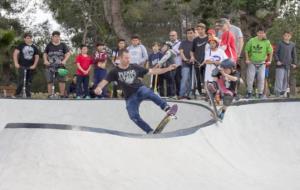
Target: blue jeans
(185,83)
(133,104)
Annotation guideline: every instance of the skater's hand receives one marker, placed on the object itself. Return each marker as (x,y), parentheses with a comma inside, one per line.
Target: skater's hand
(241,81)
(17,66)
(63,62)
(98,90)
(279,63)
(85,72)
(156,66)
(47,63)
(192,60)
(172,67)
(32,67)
(268,63)
(294,66)
(248,61)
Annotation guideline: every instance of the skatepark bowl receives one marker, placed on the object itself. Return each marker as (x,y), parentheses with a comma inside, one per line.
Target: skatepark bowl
(92,144)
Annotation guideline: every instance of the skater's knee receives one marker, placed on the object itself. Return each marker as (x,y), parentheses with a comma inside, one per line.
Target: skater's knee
(134,116)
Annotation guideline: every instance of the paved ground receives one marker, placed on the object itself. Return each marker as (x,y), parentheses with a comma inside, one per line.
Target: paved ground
(256,147)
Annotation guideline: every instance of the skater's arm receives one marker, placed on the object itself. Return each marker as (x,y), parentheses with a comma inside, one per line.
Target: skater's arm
(294,57)
(158,71)
(192,56)
(80,68)
(67,56)
(229,77)
(144,55)
(100,86)
(270,52)
(247,57)
(15,57)
(45,57)
(165,58)
(241,45)
(36,61)
(89,69)
(183,56)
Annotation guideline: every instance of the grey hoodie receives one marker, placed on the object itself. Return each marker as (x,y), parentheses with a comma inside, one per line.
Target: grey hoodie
(286,54)
(138,54)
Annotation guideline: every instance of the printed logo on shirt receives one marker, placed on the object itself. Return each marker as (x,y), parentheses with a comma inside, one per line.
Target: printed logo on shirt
(257,49)
(127,77)
(55,57)
(215,58)
(201,44)
(28,52)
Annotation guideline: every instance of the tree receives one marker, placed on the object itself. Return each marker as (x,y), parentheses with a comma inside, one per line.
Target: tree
(10,29)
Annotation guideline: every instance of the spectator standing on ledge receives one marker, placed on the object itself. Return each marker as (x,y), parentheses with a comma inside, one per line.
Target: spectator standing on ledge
(56,54)
(137,51)
(285,59)
(83,63)
(256,52)
(26,56)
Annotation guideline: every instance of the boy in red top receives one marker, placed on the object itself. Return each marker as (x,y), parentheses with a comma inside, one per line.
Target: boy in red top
(83,62)
(227,40)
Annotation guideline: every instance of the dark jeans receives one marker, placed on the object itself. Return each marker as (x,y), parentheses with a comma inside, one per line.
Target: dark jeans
(170,79)
(99,75)
(133,104)
(200,72)
(82,83)
(178,79)
(21,82)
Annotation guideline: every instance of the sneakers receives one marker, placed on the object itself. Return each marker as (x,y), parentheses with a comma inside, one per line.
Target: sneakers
(167,108)
(184,97)
(150,132)
(249,95)
(260,96)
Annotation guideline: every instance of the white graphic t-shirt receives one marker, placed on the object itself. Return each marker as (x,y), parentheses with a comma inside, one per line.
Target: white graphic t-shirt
(217,55)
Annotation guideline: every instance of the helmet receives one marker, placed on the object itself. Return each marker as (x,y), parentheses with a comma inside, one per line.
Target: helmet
(227,64)
(169,44)
(62,72)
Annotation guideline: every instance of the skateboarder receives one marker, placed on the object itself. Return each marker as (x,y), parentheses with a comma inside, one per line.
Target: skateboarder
(225,80)
(129,77)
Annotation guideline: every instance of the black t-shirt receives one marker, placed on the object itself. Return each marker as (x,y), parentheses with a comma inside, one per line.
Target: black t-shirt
(186,46)
(199,48)
(27,53)
(56,53)
(129,79)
